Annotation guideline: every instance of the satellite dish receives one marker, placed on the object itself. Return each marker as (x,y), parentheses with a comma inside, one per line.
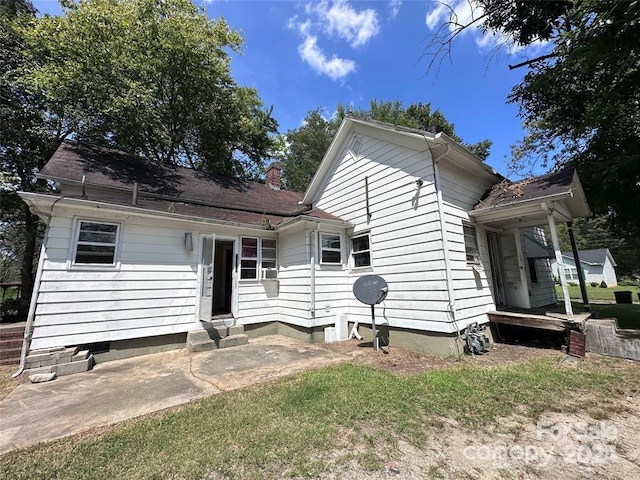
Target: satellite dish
(371,290)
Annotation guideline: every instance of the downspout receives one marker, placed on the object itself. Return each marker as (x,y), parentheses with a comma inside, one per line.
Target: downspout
(34,296)
(313,242)
(556,247)
(445,243)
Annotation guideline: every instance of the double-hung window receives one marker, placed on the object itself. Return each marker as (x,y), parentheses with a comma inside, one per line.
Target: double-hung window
(361,250)
(260,253)
(96,243)
(269,258)
(471,244)
(330,249)
(249,259)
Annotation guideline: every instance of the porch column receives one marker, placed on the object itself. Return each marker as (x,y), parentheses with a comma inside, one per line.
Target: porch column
(556,247)
(576,259)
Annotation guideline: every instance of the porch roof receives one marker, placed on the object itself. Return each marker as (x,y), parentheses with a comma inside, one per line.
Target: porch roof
(524,203)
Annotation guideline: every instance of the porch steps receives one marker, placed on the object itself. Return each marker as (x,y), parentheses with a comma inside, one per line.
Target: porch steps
(11,337)
(60,360)
(213,338)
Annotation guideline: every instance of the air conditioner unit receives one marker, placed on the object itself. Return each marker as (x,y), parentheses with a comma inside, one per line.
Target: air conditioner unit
(269,274)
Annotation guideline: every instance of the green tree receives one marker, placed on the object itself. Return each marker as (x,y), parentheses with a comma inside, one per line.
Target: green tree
(308,143)
(580,100)
(152,77)
(27,138)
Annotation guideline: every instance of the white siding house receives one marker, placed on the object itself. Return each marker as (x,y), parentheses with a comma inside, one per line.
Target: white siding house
(134,252)
(597,266)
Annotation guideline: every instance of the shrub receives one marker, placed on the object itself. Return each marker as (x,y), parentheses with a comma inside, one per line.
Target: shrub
(573,284)
(603,284)
(594,284)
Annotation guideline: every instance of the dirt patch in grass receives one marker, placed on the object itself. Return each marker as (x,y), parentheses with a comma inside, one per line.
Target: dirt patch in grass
(401,361)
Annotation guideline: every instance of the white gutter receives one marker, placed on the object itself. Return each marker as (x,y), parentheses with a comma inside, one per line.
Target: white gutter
(443,232)
(313,250)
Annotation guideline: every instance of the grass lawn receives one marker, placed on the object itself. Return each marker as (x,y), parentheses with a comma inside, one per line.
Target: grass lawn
(597,294)
(628,315)
(291,427)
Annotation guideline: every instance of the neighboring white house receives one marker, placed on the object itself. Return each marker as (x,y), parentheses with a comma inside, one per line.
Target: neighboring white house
(136,251)
(597,266)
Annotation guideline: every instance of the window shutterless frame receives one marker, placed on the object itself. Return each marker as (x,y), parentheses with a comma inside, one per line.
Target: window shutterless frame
(249,258)
(361,250)
(471,244)
(96,244)
(330,249)
(269,258)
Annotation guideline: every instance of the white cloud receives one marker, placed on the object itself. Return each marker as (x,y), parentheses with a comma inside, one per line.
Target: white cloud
(462,12)
(335,67)
(334,19)
(394,6)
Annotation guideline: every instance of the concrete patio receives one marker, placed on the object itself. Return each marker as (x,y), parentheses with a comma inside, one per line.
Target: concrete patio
(124,389)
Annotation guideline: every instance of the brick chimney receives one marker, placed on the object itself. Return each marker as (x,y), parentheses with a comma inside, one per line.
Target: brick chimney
(274,179)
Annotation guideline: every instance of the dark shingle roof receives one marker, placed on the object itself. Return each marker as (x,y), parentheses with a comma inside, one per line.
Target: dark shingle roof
(595,257)
(177,189)
(507,193)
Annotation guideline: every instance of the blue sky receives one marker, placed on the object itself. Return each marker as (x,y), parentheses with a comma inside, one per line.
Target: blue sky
(303,55)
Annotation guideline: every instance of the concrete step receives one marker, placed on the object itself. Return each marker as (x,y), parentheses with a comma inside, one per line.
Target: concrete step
(47,357)
(214,333)
(201,345)
(61,369)
(234,341)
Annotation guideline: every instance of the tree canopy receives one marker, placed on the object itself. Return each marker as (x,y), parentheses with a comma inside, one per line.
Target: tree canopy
(580,100)
(152,78)
(149,77)
(308,143)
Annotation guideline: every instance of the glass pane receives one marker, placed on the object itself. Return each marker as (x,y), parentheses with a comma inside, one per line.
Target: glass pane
(330,241)
(268,244)
(87,236)
(268,264)
(362,259)
(98,227)
(248,273)
(360,243)
(94,254)
(250,247)
(330,256)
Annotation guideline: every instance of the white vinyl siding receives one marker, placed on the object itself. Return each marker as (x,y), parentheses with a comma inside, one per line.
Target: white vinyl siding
(404,234)
(152,293)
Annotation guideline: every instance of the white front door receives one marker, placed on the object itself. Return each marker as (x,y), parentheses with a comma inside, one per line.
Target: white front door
(206,277)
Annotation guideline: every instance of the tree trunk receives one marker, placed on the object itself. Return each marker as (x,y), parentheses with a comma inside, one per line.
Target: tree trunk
(28,257)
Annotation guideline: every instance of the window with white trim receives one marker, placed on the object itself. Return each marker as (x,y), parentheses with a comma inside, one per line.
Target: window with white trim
(96,243)
(471,244)
(330,249)
(361,250)
(249,258)
(268,259)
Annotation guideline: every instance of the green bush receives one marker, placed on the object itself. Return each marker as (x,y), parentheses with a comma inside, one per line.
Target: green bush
(603,284)
(628,283)
(573,284)
(594,284)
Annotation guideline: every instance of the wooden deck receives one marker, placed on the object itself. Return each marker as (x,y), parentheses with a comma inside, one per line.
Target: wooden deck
(543,318)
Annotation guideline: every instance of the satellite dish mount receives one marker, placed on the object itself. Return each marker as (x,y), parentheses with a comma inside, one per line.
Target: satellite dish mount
(371,290)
